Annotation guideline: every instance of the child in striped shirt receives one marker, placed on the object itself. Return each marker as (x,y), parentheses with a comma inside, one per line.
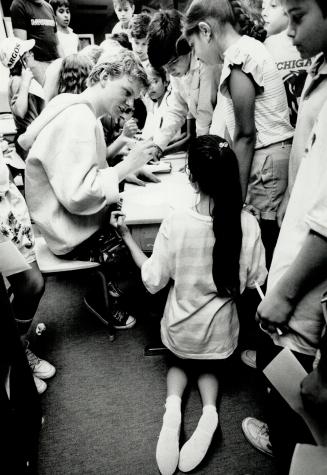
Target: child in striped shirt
(208,254)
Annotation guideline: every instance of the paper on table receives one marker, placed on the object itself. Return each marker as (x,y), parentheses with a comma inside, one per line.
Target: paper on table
(158,167)
(11,260)
(286,374)
(309,459)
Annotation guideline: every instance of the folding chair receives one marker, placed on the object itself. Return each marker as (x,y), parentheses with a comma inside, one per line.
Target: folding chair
(51,264)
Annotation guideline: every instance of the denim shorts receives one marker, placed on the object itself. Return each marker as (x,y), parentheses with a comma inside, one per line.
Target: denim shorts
(268,179)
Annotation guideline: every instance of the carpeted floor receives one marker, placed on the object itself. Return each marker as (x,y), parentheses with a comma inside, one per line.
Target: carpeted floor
(103,409)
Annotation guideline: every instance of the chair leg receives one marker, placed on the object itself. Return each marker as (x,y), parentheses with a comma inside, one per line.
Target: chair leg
(103,281)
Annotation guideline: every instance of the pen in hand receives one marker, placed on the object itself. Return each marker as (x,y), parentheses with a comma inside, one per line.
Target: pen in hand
(262,296)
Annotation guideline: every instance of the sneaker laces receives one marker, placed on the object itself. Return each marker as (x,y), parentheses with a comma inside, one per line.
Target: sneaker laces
(120,315)
(33,360)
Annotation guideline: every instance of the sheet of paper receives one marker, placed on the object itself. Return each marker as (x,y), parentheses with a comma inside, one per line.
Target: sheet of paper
(11,260)
(309,459)
(286,373)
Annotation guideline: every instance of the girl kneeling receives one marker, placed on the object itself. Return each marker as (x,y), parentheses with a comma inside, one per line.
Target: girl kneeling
(208,253)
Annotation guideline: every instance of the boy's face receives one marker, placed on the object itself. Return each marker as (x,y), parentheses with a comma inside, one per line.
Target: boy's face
(63,16)
(179,66)
(140,47)
(307,27)
(274,16)
(124,12)
(157,86)
(119,94)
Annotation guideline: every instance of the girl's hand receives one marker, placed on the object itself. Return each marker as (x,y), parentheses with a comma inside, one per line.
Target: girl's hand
(117,221)
(27,76)
(130,128)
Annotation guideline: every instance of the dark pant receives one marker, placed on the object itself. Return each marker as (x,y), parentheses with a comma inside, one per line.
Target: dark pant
(286,427)
(269,236)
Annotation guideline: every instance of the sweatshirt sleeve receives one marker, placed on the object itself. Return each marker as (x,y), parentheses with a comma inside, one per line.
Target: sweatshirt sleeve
(175,117)
(82,183)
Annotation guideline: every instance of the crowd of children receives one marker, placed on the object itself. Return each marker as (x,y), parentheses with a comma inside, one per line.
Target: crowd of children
(242,86)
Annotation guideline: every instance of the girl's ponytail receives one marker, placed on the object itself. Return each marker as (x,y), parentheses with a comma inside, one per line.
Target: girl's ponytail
(246,24)
(214,169)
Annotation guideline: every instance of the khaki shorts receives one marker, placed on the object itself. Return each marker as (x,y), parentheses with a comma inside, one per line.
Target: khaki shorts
(268,179)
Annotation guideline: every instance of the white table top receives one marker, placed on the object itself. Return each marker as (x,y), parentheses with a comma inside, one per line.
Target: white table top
(152,203)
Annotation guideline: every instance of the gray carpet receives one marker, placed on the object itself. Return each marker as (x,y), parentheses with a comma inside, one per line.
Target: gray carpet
(103,409)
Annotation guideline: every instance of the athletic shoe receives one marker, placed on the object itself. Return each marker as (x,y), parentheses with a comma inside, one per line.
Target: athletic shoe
(121,320)
(113,290)
(41,385)
(40,368)
(256,432)
(249,357)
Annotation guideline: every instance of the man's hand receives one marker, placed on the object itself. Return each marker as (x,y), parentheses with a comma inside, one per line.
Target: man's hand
(130,128)
(147,177)
(274,311)
(141,153)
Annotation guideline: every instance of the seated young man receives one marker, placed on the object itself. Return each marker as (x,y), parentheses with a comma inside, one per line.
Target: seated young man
(69,186)
(194,85)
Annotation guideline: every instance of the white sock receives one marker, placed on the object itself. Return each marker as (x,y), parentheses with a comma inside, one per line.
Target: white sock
(194,450)
(167,452)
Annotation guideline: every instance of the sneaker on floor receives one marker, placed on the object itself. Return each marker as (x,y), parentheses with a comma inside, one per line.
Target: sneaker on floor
(41,385)
(256,432)
(40,368)
(114,290)
(122,320)
(249,357)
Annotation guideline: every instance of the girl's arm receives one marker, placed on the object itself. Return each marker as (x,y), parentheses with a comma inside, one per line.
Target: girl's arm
(242,91)
(117,220)
(19,89)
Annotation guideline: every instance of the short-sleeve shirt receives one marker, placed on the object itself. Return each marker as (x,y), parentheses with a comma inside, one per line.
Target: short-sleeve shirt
(271,114)
(292,68)
(38,20)
(197,323)
(306,211)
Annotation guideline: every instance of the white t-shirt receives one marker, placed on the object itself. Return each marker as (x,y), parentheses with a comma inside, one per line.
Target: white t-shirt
(192,95)
(198,324)
(313,97)
(272,121)
(155,114)
(68,42)
(292,69)
(307,210)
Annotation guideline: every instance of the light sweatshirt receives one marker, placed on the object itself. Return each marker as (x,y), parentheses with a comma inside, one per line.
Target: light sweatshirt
(68,182)
(192,95)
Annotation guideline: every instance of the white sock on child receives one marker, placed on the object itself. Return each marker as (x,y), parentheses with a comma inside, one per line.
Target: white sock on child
(194,450)
(167,452)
